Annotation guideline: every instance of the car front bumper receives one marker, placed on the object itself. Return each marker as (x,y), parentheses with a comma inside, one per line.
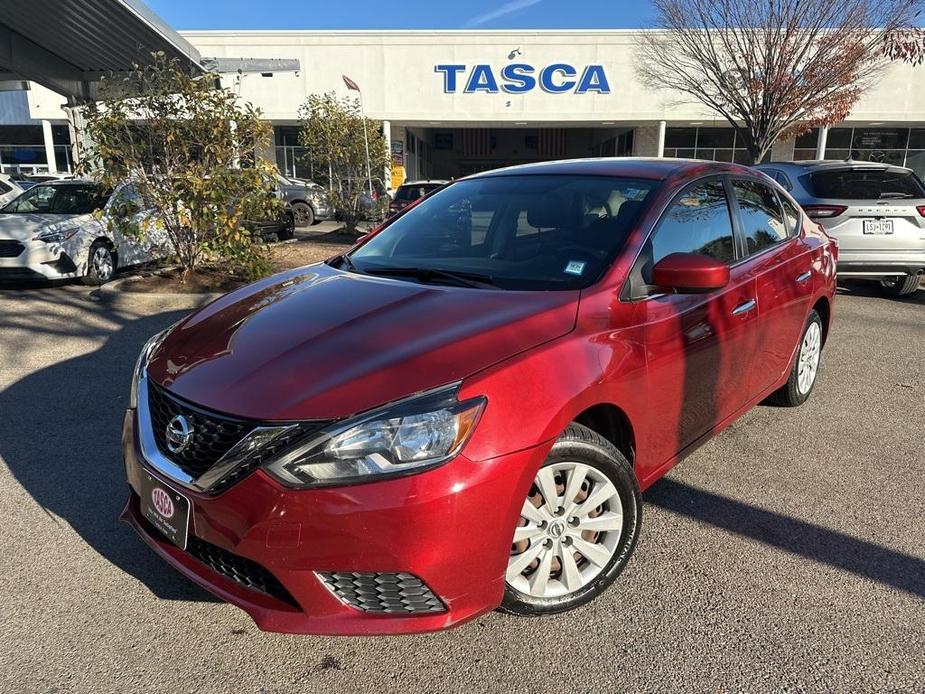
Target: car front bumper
(450,527)
(41,261)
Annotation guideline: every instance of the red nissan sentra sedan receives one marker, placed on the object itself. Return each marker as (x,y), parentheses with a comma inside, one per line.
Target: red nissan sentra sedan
(460,413)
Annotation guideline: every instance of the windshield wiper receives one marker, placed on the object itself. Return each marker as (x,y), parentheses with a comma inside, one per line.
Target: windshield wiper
(895,196)
(460,279)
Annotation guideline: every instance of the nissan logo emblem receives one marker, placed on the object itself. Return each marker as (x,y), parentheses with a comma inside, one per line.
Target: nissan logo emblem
(179,434)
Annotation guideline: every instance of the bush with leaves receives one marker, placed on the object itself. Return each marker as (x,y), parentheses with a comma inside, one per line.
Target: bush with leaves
(333,131)
(188,148)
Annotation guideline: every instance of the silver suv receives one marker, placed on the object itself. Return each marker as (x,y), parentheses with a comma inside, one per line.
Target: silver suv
(876,211)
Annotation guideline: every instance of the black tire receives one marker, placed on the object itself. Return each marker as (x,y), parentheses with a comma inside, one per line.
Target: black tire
(902,286)
(98,271)
(304,214)
(578,444)
(791,394)
(287,230)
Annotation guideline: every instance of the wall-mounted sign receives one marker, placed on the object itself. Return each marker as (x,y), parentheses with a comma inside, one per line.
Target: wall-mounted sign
(398,152)
(398,176)
(519,78)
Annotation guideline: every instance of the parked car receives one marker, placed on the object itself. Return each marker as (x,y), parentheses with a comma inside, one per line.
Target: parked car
(468,405)
(371,207)
(51,232)
(410,191)
(309,201)
(9,189)
(876,211)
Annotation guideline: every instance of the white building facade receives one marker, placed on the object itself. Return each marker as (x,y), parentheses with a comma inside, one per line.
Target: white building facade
(456,102)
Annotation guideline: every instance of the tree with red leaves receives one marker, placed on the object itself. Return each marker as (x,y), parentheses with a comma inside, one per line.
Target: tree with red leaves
(777,68)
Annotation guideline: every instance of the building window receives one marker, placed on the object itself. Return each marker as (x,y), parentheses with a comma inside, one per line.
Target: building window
(896,146)
(718,144)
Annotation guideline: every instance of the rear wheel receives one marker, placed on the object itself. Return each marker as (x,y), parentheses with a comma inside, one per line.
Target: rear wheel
(287,230)
(578,527)
(101,264)
(901,286)
(805,367)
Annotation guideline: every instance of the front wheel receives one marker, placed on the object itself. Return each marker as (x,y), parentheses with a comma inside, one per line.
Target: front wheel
(101,264)
(902,286)
(578,527)
(287,230)
(803,372)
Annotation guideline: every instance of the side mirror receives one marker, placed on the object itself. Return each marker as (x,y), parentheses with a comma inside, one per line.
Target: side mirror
(690,273)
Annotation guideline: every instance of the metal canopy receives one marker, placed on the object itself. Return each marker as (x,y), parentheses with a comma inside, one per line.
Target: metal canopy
(68,45)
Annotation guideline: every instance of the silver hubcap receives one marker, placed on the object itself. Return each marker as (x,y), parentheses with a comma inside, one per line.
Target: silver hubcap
(569,529)
(809,358)
(102,263)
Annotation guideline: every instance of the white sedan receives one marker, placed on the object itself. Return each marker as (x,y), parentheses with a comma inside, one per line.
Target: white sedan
(65,229)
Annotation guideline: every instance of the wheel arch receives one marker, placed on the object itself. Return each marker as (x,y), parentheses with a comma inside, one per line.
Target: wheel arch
(824,309)
(613,424)
(109,243)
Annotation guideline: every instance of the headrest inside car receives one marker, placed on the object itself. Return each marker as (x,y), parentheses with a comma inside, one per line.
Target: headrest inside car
(550,212)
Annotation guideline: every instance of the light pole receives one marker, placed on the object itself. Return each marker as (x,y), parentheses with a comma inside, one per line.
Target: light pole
(369,173)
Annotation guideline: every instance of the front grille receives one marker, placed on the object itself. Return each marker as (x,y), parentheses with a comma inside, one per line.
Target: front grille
(11,249)
(213,434)
(248,573)
(399,593)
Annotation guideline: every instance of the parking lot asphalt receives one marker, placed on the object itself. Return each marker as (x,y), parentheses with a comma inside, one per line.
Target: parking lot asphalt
(786,555)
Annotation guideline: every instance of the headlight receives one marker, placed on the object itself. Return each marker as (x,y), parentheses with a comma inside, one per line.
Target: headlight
(142,363)
(57,235)
(407,436)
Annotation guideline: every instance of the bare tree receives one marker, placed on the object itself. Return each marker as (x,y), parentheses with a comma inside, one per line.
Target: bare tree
(776,68)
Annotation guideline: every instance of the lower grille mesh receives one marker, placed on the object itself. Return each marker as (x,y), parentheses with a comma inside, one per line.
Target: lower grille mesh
(244,571)
(386,593)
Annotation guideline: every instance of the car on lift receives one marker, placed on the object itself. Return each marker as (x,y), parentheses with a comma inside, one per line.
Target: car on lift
(460,412)
(410,191)
(308,201)
(62,229)
(875,211)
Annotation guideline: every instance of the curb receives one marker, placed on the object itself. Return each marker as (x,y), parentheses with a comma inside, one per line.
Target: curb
(112,295)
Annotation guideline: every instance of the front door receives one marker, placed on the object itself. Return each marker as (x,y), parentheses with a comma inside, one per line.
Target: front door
(699,347)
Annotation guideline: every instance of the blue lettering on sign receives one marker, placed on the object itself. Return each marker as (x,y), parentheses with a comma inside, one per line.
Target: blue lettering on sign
(481,79)
(520,78)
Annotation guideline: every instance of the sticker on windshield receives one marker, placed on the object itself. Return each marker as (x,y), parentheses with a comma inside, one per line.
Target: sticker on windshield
(575,267)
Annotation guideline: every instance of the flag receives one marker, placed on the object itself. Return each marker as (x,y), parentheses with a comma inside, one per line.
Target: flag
(351,84)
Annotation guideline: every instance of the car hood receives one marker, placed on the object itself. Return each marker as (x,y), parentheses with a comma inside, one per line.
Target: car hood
(320,343)
(25,226)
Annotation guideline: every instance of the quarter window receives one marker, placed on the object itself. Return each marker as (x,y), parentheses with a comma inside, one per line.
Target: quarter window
(697,222)
(761,215)
(792,215)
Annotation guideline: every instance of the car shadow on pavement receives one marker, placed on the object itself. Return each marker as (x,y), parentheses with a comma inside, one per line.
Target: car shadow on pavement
(60,439)
(902,571)
(872,289)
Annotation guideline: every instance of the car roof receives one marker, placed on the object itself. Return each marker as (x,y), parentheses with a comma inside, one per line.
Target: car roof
(626,167)
(813,165)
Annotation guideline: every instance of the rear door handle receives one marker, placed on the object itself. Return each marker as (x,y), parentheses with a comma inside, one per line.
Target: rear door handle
(742,309)
(805,276)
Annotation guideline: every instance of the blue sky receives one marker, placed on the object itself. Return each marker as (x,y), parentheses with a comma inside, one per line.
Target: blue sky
(403,14)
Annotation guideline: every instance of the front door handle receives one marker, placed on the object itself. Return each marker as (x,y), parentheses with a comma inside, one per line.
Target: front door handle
(805,276)
(742,309)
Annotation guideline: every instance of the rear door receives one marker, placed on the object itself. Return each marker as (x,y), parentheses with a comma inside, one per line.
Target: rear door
(873,209)
(777,257)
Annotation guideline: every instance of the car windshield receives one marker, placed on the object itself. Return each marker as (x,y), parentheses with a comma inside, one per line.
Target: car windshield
(59,199)
(519,232)
(867,184)
(413,192)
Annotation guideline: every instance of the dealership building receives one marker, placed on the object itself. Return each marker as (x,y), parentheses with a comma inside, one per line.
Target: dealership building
(456,102)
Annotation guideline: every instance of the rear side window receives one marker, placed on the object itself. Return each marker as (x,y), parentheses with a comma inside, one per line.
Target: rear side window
(4,188)
(866,184)
(792,216)
(761,215)
(697,222)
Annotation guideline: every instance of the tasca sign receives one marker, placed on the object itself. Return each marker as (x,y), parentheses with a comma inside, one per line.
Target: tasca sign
(520,78)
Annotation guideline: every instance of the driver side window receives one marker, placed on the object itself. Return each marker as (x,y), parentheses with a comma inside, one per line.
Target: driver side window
(697,222)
